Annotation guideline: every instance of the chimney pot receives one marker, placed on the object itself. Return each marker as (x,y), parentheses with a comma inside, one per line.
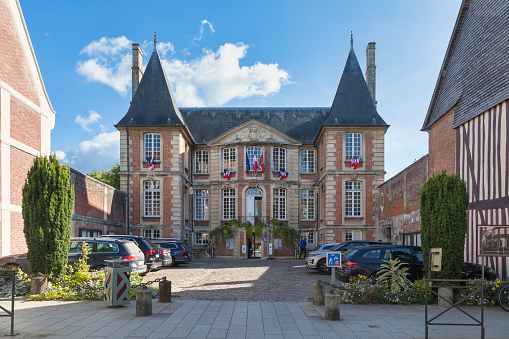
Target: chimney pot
(371,70)
(137,66)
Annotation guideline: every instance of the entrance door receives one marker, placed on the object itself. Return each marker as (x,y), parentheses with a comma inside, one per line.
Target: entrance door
(253,204)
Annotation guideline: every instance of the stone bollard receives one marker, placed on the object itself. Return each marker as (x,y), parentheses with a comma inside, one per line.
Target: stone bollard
(38,285)
(165,291)
(317,295)
(143,303)
(332,306)
(445,292)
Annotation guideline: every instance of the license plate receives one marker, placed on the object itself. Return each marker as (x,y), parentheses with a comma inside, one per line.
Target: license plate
(140,262)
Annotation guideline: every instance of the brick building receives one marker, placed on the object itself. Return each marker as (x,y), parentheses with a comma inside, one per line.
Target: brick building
(203,163)
(468,128)
(26,120)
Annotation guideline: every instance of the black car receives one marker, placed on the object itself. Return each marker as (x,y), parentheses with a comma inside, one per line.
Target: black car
(164,253)
(179,251)
(152,256)
(101,249)
(367,261)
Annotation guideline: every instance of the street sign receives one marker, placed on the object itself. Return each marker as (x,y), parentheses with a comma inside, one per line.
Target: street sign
(333,259)
(265,239)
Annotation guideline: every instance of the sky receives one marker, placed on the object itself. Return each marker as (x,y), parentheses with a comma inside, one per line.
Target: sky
(235,54)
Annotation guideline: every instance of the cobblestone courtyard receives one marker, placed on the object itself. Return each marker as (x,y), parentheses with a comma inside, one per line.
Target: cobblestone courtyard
(243,280)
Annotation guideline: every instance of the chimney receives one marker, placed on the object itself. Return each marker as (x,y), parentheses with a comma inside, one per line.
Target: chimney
(371,70)
(137,64)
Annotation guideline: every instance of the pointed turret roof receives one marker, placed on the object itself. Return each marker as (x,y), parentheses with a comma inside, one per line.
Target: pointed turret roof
(353,105)
(153,103)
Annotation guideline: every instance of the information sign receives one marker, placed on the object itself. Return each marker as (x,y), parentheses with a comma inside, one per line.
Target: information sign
(333,259)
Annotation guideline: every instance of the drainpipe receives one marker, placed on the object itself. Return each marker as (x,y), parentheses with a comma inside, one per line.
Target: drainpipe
(128,184)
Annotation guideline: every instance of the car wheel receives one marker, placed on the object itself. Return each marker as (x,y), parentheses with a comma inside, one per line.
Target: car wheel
(322,268)
(173,263)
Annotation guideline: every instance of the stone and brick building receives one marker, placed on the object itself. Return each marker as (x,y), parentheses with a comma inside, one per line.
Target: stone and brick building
(26,121)
(189,170)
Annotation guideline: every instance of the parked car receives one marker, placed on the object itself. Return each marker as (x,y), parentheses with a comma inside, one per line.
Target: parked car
(164,253)
(316,258)
(101,249)
(367,261)
(179,250)
(153,258)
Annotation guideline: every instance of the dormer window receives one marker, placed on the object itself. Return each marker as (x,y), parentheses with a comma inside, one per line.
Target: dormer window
(353,145)
(152,146)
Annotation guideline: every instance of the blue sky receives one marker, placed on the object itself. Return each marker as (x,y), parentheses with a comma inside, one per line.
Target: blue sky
(234,53)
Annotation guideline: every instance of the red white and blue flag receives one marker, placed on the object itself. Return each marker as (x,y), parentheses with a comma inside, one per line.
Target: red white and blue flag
(282,174)
(150,163)
(355,161)
(227,174)
(255,163)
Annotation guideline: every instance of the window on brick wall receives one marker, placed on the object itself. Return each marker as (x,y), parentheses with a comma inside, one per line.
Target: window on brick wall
(201,161)
(353,199)
(278,159)
(353,235)
(307,205)
(151,234)
(279,204)
(201,205)
(229,159)
(228,203)
(152,146)
(353,145)
(84,232)
(151,199)
(307,161)
(309,237)
(251,152)
(201,238)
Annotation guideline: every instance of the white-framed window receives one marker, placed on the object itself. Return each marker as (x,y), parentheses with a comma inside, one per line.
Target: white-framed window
(229,159)
(229,244)
(89,233)
(353,197)
(228,203)
(279,204)
(309,237)
(307,161)
(201,205)
(251,152)
(307,205)
(353,145)
(151,234)
(353,235)
(278,158)
(151,199)
(201,162)
(152,146)
(201,238)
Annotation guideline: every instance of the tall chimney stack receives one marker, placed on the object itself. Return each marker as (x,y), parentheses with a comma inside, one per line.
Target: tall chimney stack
(137,65)
(371,70)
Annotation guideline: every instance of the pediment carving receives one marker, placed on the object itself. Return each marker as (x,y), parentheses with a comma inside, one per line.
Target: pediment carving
(253,134)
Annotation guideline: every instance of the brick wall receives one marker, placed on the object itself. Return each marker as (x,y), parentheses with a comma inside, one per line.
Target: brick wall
(14,70)
(25,124)
(442,145)
(399,202)
(18,244)
(20,163)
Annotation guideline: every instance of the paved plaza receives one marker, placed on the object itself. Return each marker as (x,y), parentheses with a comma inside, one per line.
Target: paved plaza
(240,299)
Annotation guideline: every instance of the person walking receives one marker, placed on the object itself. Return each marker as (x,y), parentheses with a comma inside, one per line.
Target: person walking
(303,244)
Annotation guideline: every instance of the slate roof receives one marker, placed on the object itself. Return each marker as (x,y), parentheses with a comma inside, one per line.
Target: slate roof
(153,103)
(475,72)
(353,105)
(206,124)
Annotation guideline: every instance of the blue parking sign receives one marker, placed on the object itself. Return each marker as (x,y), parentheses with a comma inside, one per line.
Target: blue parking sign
(334,259)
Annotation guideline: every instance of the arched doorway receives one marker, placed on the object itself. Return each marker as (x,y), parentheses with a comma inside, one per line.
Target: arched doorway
(253,215)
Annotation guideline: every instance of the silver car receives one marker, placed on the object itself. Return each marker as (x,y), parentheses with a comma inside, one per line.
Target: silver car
(319,252)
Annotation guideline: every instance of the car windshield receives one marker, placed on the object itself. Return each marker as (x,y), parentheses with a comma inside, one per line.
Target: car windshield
(349,252)
(418,254)
(151,243)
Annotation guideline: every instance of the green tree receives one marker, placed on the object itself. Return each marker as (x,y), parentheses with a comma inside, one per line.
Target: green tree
(110,177)
(444,201)
(47,211)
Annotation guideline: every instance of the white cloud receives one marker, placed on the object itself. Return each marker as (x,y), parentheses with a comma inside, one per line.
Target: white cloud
(202,29)
(217,77)
(99,153)
(109,63)
(211,79)
(93,117)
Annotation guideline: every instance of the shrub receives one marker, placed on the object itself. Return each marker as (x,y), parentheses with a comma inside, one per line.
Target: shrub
(47,211)
(394,275)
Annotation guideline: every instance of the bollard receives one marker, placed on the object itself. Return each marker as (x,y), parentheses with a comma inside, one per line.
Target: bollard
(38,285)
(143,303)
(165,291)
(317,295)
(332,306)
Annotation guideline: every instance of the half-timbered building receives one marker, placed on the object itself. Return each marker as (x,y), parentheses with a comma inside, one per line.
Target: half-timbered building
(189,170)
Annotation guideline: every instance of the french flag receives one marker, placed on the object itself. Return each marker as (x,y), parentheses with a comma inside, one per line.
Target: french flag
(150,163)
(255,163)
(227,174)
(354,161)
(282,174)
